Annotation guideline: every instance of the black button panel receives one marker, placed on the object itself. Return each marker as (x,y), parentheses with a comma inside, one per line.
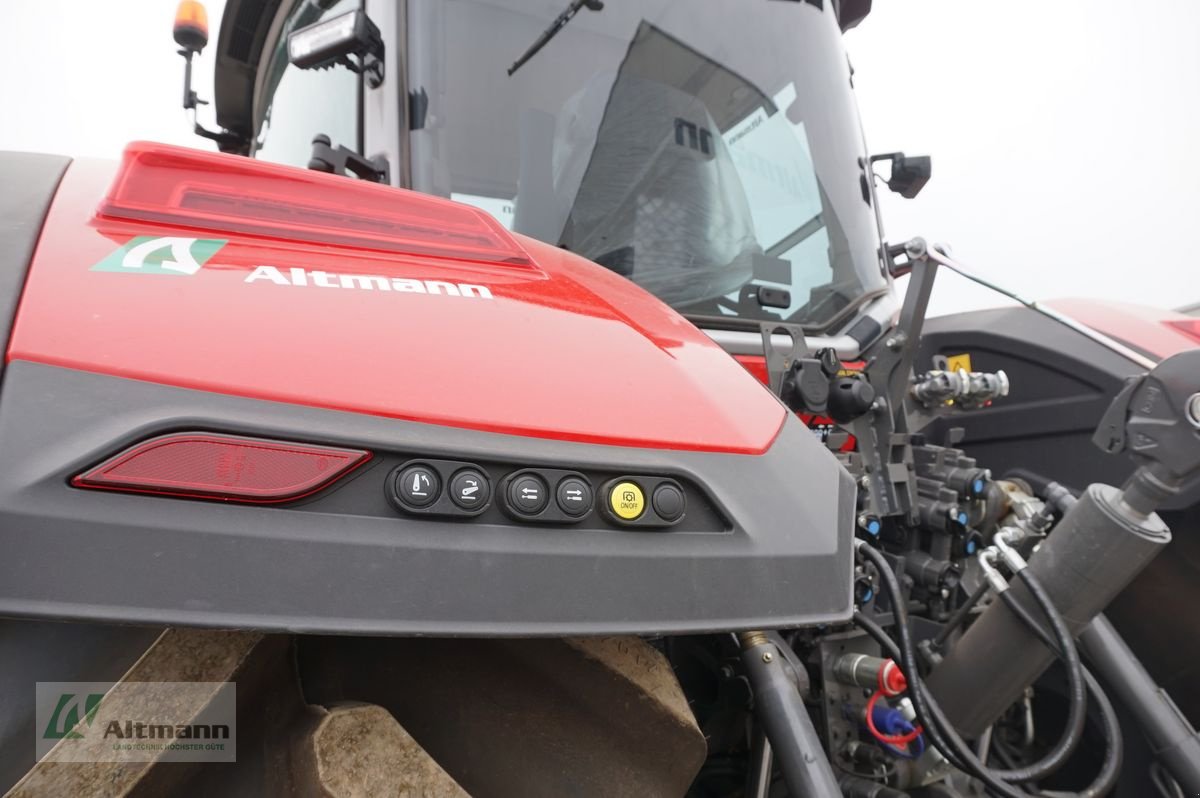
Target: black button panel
(536,494)
(456,489)
(643,502)
(418,485)
(470,489)
(668,502)
(574,496)
(440,487)
(528,494)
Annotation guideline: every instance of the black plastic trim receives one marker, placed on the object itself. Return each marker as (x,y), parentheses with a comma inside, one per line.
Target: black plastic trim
(865,331)
(245,25)
(1062,383)
(30,181)
(347,562)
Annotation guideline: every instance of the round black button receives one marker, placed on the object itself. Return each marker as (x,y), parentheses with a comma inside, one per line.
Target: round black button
(668,502)
(469,489)
(418,486)
(574,496)
(527,494)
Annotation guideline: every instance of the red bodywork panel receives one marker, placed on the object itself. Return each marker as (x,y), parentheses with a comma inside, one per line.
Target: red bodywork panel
(562,348)
(1158,333)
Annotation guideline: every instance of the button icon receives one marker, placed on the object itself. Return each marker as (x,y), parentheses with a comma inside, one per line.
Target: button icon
(527,494)
(626,500)
(469,489)
(574,496)
(668,502)
(418,486)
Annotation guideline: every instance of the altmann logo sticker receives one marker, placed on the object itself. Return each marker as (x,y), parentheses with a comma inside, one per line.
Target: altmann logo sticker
(177,255)
(136,721)
(303,278)
(158,255)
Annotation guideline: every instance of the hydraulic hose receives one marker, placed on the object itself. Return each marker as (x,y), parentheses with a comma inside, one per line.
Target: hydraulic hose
(1104,781)
(1095,550)
(1076,689)
(1059,497)
(889,646)
(919,695)
(941,734)
(940,731)
(1107,777)
(960,615)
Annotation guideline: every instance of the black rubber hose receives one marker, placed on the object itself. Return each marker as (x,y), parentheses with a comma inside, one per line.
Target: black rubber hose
(1059,497)
(960,615)
(886,643)
(951,745)
(1057,500)
(1057,756)
(1107,777)
(1104,781)
(934,722)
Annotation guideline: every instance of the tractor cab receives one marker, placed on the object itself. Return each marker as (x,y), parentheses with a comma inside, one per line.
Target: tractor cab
(714,157)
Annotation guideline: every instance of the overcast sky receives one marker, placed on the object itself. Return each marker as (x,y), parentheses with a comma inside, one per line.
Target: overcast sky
(1062,136)
(1062,133)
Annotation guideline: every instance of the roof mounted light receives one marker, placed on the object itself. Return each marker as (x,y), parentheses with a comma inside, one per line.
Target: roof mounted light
(223,467)
(332,41)
(230,194)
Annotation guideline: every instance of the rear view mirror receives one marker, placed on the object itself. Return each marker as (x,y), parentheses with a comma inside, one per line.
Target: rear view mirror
(333,41)
(909,173)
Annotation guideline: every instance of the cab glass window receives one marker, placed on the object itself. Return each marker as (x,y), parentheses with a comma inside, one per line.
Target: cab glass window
(298,104)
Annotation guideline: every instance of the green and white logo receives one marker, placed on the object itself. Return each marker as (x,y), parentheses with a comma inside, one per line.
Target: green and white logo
(67,715)
(131,721)
(161,255)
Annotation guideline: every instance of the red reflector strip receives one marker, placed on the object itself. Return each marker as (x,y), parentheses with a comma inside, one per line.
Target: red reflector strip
(232,194)
(228,467)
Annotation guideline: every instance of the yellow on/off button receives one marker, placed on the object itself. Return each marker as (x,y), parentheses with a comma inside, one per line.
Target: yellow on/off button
(626,500)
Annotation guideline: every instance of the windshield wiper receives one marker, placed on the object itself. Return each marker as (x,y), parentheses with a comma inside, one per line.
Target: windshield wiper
(558,24)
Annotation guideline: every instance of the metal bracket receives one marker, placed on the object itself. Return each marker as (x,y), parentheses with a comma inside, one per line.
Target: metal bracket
(1151,419)
(883,433)
(780,363)
(1110,434)
(339,160)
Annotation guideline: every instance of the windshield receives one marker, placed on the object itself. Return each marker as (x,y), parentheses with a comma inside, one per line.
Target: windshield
(699,152)
(303,102)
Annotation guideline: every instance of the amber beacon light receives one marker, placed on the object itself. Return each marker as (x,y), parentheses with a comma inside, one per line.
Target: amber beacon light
(191,25)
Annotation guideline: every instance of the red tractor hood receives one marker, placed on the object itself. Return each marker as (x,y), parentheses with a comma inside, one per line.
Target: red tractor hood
(228,275)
